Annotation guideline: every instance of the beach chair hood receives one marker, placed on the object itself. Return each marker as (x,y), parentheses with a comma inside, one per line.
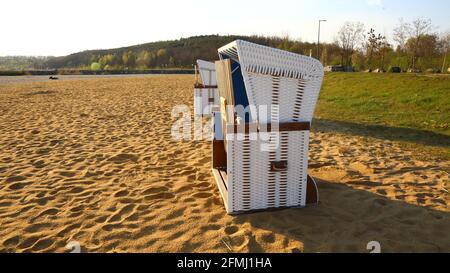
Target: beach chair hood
(276,77)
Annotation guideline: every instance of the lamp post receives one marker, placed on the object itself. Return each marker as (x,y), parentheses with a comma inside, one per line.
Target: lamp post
(318,40)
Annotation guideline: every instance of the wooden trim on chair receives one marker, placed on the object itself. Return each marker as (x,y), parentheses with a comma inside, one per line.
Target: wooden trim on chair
(289,127)
(201,86)
(282,127)
(312,192)
(219,155)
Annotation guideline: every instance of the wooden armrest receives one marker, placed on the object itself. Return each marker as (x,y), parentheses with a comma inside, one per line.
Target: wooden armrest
(201,86)
(282,127)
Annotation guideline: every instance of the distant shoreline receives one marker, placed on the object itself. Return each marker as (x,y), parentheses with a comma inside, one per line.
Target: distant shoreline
(91,72)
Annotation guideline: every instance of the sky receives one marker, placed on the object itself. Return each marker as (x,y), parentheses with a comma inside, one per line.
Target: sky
(61,27)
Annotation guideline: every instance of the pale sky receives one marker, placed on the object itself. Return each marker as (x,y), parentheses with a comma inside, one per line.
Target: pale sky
(52,27)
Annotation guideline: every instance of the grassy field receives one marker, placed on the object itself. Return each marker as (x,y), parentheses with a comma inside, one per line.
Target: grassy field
(412,109)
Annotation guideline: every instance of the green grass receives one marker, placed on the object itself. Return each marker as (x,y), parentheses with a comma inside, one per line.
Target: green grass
(413,109)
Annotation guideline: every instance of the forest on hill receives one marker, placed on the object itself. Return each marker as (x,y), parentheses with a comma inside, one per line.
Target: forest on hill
(180,53)
(414,46)
(23,62)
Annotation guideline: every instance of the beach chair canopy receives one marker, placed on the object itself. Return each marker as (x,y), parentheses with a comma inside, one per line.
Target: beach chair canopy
(207,72)
(264,76)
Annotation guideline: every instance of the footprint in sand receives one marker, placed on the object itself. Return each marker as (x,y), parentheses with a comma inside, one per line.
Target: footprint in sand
(154,190)
(175,214)
(231,230)
(5,204)
(77,208)
(15,179)
(42,244)
(36,227)
(76,190)
(121,193)
(47,212)
(156,193)
(67,173)
(12,242)
(183,189)
(18,186)
(123,158)
(202,195)
(203,185)
(268,238)
(161,196)
(110,227)
(39,164)
(28,242)
(117,217)
(212,227)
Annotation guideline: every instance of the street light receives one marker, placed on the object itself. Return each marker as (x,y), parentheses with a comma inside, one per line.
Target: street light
(318,40)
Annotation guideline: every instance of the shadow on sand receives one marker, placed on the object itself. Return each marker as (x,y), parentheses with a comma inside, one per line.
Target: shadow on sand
(347,219)
(383,132)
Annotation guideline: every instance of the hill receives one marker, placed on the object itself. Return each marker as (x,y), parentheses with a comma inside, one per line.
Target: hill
(23,62)
(180,53)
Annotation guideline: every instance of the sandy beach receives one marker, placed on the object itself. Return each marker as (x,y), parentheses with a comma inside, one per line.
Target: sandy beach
(93,161)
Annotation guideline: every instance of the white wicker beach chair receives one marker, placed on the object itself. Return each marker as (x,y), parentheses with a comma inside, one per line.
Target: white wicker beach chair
(206,98)
(251,178)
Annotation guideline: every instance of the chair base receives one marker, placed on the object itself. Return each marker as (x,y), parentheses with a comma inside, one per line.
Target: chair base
(312,193)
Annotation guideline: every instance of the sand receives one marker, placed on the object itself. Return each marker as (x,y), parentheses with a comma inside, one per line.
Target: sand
(92,161)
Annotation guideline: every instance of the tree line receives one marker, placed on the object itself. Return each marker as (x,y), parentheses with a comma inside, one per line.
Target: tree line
(181,53)
(23,62)
(413,46)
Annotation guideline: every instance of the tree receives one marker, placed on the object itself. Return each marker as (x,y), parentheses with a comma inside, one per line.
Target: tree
(419,28)
(93,58)
(401,33)
(383,47)
(95,66)
(444,45)
(147,59)
(125,59)
(161,54)
(129,59)
(349,37)
(106,60)
(324,55)
(171,61)
(144,59)
(425,51)
(372,45)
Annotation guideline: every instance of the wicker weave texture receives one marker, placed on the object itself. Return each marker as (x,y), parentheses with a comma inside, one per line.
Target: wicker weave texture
(291,82)
(252,185)
(295,78)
